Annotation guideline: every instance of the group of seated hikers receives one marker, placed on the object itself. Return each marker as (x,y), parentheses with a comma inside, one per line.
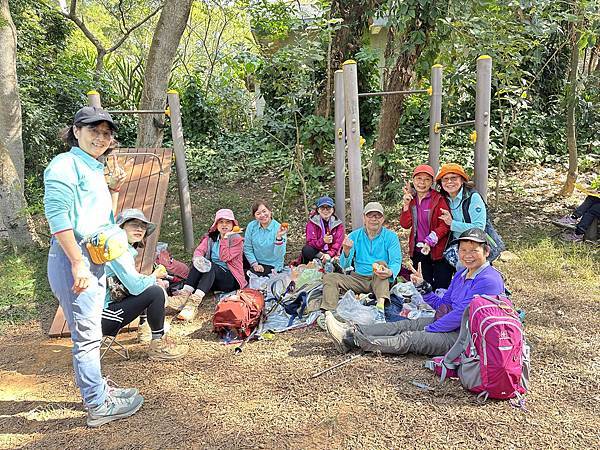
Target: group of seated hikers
(448,249)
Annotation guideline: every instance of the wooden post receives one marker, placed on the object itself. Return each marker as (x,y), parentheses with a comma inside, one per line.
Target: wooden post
(94,99)
(483,92)
(352,120)
(435,116)
(180,166)
(340,147)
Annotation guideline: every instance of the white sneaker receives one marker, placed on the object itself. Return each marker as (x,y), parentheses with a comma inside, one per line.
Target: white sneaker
(115,390)
(144,333)
(114,408)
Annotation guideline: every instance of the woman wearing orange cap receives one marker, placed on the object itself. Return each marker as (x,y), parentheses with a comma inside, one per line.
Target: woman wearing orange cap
(467,208)
(421,212)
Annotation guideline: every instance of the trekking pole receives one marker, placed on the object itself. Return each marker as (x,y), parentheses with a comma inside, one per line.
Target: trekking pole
(335,366)
(238,349)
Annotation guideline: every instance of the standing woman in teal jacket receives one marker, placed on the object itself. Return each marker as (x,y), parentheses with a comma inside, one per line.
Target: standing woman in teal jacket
(78,201)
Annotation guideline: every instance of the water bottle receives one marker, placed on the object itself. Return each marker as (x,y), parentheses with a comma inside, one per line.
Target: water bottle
(328,266)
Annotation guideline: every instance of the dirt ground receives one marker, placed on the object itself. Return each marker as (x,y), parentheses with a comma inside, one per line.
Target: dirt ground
(265,398)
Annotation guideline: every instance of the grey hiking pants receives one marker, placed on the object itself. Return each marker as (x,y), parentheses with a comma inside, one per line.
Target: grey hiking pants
(405,336)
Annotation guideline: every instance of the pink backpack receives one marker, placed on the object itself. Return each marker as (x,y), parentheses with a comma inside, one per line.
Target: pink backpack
(490,356)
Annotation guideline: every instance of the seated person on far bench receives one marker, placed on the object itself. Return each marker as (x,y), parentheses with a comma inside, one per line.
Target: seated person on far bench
(375,253)
(432,335)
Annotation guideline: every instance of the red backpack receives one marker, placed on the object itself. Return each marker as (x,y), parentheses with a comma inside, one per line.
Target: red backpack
(490,356)
(239,313)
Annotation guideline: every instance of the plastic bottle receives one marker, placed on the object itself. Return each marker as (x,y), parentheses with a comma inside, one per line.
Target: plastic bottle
(328,266)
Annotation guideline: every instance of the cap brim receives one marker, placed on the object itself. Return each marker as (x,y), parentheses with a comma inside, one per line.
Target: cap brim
(457,240)
(92,120)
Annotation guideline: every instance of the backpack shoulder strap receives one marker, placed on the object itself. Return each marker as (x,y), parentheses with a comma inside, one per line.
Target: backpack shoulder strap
(466,203)
(461,342)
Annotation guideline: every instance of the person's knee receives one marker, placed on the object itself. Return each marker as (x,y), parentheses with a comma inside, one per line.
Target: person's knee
(157,293)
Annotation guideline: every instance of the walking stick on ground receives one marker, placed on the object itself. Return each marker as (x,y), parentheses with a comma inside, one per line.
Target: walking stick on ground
(335,366)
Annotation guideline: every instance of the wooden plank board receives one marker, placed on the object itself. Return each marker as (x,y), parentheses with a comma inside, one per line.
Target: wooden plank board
(146,189)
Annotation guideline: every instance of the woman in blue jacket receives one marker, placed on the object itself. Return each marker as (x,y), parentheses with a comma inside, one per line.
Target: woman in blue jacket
(265,241)
(142,291)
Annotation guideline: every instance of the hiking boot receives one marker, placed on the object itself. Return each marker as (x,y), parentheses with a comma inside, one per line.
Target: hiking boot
(144,333)
(339,332)
(572,236)
(190,309)
(176,302)
(113,408)
(566,221)
(114,390)
(165,349)
(321,322)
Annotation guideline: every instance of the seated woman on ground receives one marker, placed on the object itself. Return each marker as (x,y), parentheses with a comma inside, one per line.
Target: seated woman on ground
(433,335)
(324,233)
(421,212)
(581,219)
(218,264)
(143,292)
(265,241)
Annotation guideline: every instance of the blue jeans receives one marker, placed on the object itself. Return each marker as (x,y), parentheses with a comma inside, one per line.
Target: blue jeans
(83,313)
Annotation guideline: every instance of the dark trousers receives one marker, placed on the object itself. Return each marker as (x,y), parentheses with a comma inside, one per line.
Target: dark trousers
(216,279)
(309,253)
(437,273)
(118,314)
(588,211)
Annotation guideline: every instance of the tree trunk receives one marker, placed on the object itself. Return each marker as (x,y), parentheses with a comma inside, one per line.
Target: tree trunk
(163,49)
(10,105)
(398,78)
(571,119)
(345,42)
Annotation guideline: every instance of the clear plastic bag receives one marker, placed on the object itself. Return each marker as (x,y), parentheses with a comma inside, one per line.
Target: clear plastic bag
(256,282)
(201,264)
(308,276)
(350,309)
(407,290)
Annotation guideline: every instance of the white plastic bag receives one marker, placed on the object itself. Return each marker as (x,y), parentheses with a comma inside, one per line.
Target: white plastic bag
(407,290)
(201,264)
(256,282)
(350,309)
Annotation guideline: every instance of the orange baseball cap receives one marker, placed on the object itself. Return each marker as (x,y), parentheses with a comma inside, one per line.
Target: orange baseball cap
(451,168)
(424,168)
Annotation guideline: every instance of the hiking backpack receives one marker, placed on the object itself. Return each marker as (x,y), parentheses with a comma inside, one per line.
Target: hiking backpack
(490,356)
(239,313)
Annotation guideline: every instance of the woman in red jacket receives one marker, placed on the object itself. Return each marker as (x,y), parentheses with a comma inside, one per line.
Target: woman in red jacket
(421,213)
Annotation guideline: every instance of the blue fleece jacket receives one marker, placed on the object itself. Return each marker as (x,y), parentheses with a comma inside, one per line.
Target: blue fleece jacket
(477,211)
(260,246)
(365,251)
(485,281)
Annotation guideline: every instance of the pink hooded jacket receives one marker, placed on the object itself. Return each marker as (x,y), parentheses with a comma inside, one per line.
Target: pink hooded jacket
(314,234)
(231,250)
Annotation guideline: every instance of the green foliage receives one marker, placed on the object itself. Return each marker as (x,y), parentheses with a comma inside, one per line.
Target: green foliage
(23,283)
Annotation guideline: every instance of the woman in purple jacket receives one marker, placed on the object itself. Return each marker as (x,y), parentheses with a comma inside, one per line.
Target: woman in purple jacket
(324,233)
(434,335)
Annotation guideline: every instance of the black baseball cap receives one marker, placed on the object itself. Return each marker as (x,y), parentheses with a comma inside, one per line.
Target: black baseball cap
(472,234)
(90,114)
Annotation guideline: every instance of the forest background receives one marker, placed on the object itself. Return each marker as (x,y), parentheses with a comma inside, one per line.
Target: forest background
(255,80)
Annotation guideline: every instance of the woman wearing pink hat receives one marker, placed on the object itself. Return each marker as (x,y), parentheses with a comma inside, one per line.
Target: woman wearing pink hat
(421,212)
(217,264)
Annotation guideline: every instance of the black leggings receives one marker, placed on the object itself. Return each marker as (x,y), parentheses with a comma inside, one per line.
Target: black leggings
(118,314)
(437,273)
(217,279)
(588,211)
(309,253)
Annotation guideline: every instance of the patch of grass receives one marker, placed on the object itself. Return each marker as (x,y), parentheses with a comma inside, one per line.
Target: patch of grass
(23,284)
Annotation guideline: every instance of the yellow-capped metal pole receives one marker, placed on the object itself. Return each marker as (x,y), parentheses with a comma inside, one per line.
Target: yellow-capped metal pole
(435,116)
(353,139)
(483,93)
(340,146)
(94,99)
(180,166)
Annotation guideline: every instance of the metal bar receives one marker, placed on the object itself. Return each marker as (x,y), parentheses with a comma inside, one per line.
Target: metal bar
(352,118)
(180,166)
(137,111)
(453,125)
(94,99)
(483,98)
(340,147)
(377,94)
(435,116)
(154,155)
